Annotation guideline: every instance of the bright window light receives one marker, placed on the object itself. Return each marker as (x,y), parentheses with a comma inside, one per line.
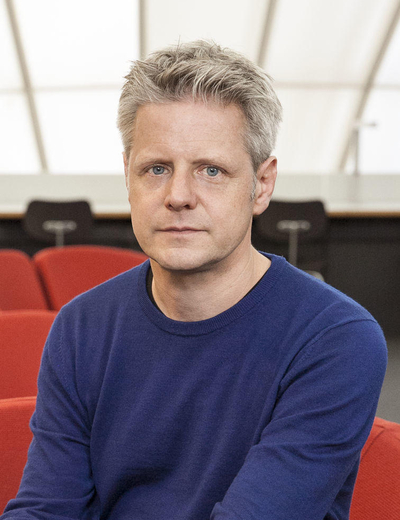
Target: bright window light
(10,77)
(389,73)
(70,43)
(314,129)
(18,150)
(380,144)
(79,132)
(316,41)
(231,23)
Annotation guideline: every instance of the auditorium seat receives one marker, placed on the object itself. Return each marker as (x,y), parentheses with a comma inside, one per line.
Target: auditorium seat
(23,335)
(296,229)
(59,222)
(20,286)
(71,270)
(377,490)
(15,437)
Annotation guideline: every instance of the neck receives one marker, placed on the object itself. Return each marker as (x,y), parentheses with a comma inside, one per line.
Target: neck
(202,295)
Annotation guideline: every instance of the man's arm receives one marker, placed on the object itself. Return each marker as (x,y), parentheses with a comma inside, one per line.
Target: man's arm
(57,482)
(322,418)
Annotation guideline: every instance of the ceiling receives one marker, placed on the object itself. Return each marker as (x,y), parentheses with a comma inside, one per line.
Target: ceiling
(335,63)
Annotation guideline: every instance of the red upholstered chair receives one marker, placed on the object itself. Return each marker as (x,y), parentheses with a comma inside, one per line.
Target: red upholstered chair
(71,270)
(20,286)
(15,437)
(377,490)
(22,337)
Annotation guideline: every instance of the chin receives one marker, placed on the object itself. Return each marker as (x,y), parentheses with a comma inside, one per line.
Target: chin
(183,261)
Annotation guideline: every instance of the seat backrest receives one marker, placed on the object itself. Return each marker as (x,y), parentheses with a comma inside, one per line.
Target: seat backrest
(59,223)
(15,437)
(377,489)
(22,338)
(20,287)
(269,224)
(72,270)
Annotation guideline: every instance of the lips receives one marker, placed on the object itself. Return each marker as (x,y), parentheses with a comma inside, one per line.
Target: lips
(177,232)
(185,229)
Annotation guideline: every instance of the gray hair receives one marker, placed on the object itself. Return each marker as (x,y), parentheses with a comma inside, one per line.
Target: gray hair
(204,71)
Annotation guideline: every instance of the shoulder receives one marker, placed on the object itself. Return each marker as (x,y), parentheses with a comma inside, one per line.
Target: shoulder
(333,347)
(90,329)
(308,297)
(113,294)
(309,315)
(87,322)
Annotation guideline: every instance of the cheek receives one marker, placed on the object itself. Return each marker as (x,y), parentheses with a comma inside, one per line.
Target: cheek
(234,218)
(138,199)
(138,211)
(145,211)
(141,229)
(241,205)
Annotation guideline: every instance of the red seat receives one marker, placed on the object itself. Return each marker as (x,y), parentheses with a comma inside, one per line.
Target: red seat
(377,490)
(23,335)
(71,270)
(20,286)
(15,437)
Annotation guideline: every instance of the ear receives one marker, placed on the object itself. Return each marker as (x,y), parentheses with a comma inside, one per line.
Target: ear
(126,165)
(266,177)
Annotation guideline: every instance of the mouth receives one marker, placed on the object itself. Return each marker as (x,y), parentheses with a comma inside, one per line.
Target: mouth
(186,230)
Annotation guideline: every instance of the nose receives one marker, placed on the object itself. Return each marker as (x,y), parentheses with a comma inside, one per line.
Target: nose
(181,192)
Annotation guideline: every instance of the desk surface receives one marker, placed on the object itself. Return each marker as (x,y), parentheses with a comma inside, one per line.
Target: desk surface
(364,214)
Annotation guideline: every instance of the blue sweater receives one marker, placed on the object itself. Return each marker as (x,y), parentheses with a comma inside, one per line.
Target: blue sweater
(257,413)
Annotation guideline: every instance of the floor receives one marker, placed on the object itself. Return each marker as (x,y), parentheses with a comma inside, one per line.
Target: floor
(389,402)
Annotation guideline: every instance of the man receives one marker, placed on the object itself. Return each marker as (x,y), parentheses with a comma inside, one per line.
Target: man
(213,381)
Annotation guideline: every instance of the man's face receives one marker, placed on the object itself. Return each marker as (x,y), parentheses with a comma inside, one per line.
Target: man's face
(190,182)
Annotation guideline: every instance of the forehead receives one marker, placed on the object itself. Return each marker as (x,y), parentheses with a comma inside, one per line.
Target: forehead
(189,126)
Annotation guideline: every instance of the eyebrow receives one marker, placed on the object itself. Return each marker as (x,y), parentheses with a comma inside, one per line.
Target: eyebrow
(139,161)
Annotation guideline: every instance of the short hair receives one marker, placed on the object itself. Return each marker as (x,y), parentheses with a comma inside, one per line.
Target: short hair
(204,71)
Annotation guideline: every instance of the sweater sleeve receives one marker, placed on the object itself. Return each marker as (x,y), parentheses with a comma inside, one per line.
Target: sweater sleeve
(308,453)
(57,481)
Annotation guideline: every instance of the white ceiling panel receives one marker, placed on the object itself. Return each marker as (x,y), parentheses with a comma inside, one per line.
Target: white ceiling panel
(312,131)
(231,23)
(256,14)
(18,150)
(380,145)
(10,77)
(320,53)
(389,72)
(327,41)
(79,132)
(78,42)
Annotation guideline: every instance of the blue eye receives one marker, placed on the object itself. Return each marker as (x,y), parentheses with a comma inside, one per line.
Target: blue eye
(157,170)
(212,171)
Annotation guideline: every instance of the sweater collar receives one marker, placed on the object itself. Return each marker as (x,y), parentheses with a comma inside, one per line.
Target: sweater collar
(196,328)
